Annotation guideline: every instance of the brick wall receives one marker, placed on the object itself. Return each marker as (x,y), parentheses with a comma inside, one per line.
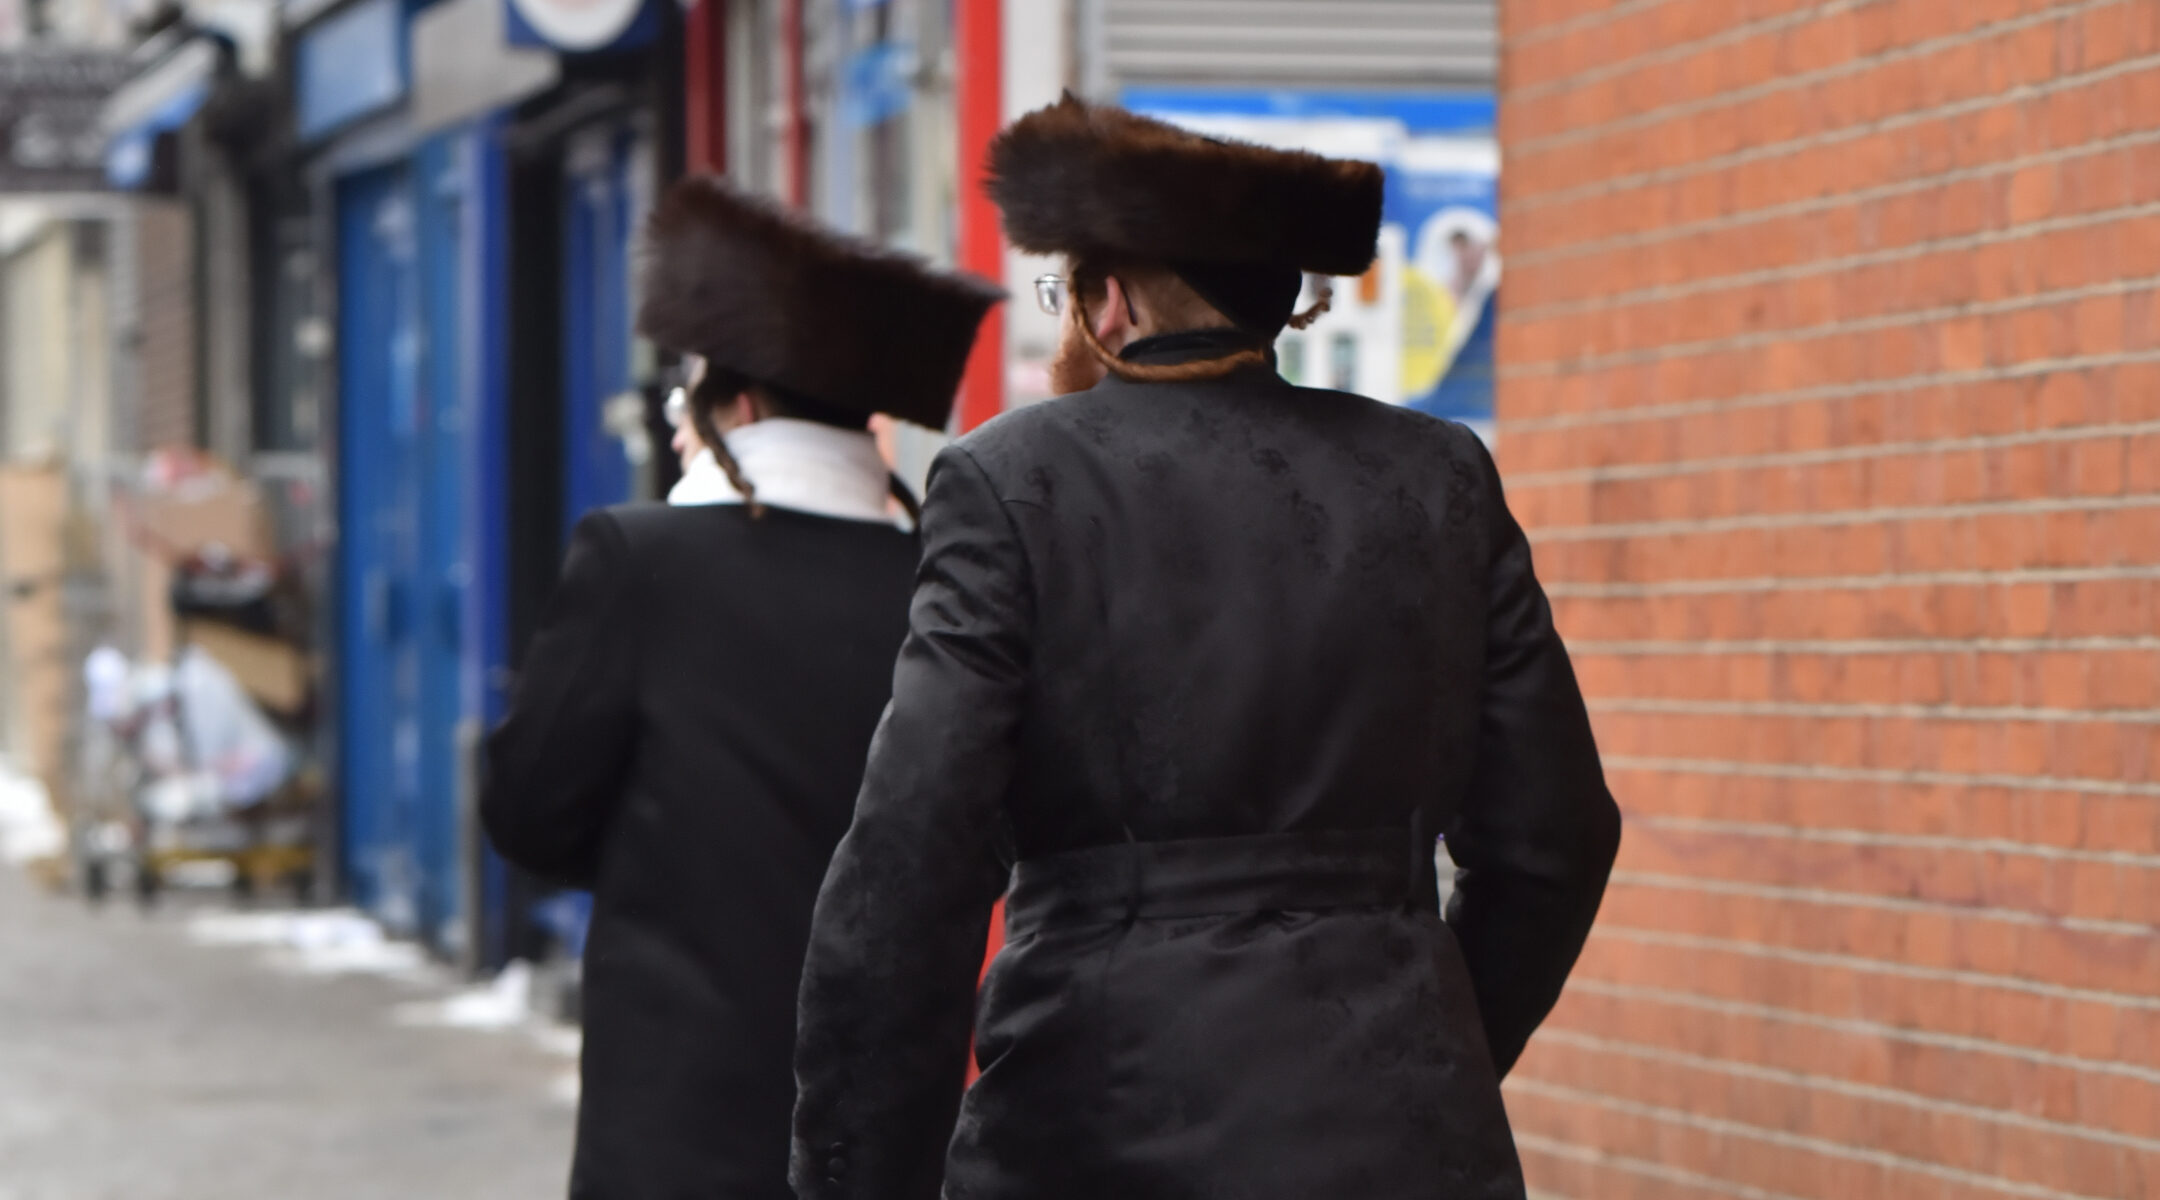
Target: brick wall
(166,349)
(1830,358)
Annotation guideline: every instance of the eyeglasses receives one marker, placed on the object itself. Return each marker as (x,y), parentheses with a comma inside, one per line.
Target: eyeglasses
(676,408)
(1050,293)
(1053,291)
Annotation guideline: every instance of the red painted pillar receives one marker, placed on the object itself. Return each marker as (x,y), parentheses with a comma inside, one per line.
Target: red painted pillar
(977,33)
(798,121)
(705,86)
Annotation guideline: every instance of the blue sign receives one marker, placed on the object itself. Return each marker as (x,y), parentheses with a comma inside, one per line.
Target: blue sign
(1462,114)
(350,65)
(877,84)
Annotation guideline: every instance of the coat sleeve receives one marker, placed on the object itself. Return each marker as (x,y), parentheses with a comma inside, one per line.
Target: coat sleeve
(896,944)
(1538,832)
(557,761)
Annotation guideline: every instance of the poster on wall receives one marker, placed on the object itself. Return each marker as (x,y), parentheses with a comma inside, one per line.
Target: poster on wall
(1417,329)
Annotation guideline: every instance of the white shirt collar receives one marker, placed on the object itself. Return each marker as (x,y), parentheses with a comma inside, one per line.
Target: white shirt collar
(801,465)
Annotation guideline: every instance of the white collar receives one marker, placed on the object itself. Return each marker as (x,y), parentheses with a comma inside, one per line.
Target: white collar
(801,465)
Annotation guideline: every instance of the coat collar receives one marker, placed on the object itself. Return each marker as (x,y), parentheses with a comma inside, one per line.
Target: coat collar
(799,465)
(1188,345)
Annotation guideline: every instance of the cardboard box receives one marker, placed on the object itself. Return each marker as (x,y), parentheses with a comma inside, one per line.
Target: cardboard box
(36,675)
(274,673)
(198,512)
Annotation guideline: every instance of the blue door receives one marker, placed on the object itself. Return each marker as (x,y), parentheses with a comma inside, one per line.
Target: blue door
(601,211)
(449,542)
(464,304)
(379,547)
(421,433)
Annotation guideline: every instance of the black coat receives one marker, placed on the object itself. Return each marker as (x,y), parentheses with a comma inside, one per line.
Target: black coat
(1219,659)
(687,739)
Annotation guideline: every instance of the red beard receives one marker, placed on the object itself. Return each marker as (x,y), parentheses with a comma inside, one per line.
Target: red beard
(1075,369)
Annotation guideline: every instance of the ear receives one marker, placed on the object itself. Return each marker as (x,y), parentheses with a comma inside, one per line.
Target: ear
(745,408)
(1112,326)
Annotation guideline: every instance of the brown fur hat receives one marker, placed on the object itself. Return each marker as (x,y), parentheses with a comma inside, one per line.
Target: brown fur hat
(756,289)
(1096,181)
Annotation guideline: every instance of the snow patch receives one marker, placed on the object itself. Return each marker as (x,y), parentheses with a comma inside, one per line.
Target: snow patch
(504,1002)
(29,829)
(328,942)
(565,1041)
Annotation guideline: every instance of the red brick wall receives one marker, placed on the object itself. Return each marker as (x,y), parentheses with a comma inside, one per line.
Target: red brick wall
(1830,389)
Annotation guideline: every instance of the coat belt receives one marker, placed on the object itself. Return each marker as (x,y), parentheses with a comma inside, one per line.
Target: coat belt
(1296,872)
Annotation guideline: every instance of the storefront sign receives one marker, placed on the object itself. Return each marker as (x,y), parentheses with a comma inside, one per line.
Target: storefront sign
(51,102)
(582,26)
(463,65)
(350,65)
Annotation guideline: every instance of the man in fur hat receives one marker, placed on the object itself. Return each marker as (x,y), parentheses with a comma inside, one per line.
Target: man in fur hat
(690,725)
(1217,657)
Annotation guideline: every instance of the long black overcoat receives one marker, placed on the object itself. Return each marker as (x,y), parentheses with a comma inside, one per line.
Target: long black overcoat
(686,739)
(1217,661)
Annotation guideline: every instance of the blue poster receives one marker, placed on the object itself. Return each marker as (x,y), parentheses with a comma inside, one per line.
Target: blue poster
(1417,329)
(1443,197)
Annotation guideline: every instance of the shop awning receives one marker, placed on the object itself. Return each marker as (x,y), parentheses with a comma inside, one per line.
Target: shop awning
(159,100)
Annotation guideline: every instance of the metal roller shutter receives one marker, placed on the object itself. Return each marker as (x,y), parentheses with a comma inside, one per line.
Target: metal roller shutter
(1295,43)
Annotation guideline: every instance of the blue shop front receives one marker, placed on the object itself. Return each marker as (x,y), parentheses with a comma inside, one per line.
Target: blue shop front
(479,171)
(412,219)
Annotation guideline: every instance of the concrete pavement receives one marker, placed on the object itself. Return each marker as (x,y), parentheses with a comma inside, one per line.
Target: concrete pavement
(136,1065)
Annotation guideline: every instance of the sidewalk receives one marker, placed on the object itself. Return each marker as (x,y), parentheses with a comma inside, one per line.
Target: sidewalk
(138,1065)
